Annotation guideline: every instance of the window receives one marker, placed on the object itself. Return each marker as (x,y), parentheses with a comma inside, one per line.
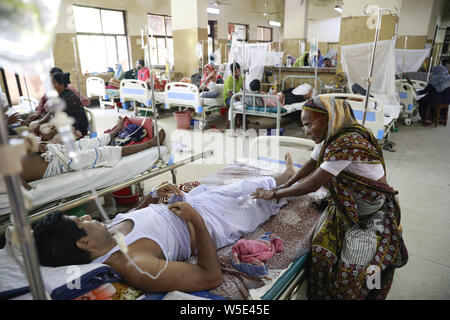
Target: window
(160,31)
(102,39)
(15,86)
(211,36)
(264,34)
(240,30)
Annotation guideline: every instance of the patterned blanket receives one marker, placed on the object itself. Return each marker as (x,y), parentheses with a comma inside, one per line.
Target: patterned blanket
(294,224)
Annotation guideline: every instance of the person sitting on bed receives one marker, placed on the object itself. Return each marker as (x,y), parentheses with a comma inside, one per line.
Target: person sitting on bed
(228,86)
(207,218)
(53,159)
(144,75)
(209,76)
(41,109)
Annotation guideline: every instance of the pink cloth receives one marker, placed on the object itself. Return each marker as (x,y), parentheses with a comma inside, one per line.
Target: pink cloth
(254,251)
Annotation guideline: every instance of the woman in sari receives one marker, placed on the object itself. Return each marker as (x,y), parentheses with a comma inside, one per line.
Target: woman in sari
(359,232)
(209,76)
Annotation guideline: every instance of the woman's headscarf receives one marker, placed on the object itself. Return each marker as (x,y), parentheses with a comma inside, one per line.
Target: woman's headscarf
(206,71)
(118,71)
(339,112)
(440,78)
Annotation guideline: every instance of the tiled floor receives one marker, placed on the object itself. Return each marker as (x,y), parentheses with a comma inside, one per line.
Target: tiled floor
(419,169)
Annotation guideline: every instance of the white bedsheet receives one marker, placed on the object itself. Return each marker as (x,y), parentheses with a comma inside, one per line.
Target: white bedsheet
(391,112)
(212,102)
(288,107)
(159,96)
(73,183)
(294,106)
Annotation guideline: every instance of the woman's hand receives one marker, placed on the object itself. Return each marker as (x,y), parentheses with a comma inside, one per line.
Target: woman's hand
(184,210)
(263,194)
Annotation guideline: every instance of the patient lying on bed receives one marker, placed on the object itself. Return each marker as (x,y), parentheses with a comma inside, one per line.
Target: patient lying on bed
(210,217)
(53,159)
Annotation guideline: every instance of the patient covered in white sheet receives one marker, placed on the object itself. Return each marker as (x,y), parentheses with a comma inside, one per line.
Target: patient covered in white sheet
(54,159)
(159,237)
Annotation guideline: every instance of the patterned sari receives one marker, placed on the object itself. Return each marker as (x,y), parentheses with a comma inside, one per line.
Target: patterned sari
(358,233)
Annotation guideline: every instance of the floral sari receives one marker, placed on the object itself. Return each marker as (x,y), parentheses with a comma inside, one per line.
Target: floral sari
(357,240)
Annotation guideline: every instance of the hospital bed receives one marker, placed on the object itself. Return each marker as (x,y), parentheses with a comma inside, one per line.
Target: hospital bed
(295,224)
(95,87)
(409,106)
(271,112)
(380,118)
(26,105)
(136,90)
(91,120)
(73,189)
(182,94)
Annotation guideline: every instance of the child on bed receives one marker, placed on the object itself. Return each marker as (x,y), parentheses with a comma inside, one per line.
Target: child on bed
(53,159)
(160,237)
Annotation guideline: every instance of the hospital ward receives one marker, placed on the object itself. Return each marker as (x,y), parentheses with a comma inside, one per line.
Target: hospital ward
(242,151)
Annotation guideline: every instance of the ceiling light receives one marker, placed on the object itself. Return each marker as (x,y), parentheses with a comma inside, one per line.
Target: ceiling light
(275,23)
(338,8)
(213,10)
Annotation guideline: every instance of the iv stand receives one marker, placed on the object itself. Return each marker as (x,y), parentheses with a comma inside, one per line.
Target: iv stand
(152,84)
(377,32)
(76,65)
(27,245)
(317,62)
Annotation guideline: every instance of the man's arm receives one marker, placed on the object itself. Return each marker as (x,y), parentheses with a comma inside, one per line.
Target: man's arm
(204,275)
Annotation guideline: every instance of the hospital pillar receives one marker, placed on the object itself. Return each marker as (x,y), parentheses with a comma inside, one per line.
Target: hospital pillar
(189,28)
(295,26)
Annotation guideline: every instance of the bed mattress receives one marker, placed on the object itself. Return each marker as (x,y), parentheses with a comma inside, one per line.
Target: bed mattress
(212,102)
(294,224)
(391,112)
(73,183)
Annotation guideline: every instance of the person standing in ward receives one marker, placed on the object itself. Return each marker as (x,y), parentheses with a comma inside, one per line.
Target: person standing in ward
(359,232)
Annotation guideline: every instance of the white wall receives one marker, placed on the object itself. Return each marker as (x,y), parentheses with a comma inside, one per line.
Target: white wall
(324,21)
(355,8)
(190,14)
(295,13)
(414,17)
(327,30)
(136,12)
(248,12)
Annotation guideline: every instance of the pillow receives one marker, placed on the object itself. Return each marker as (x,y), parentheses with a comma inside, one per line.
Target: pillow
(62,283)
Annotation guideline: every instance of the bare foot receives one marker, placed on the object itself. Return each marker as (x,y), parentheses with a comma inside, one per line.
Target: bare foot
(119,124)
(288,173)
(290,170)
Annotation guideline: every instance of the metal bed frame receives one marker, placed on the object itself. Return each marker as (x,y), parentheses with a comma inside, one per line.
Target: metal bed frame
(73,202)
(187,95)
(277,115)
